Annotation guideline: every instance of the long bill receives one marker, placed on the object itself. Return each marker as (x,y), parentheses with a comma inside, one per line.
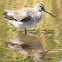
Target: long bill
(49,13)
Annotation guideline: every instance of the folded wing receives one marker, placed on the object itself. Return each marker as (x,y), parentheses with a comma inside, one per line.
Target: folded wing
(18,15)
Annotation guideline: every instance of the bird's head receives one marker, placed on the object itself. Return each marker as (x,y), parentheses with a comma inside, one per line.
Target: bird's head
(40,7)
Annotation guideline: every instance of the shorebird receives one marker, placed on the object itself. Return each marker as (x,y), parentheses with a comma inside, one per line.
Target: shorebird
(26,17)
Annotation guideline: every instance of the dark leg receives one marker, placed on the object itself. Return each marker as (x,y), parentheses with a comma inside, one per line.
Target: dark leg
(25,31)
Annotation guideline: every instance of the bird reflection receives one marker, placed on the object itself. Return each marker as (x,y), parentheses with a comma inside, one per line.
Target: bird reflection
(27,46)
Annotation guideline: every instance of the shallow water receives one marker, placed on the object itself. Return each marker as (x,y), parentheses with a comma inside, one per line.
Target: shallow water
(48,31)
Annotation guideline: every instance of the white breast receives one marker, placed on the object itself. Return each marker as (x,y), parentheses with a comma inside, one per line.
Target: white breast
(16,23)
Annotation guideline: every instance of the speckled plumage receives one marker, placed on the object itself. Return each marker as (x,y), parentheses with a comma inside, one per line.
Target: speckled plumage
(25,17)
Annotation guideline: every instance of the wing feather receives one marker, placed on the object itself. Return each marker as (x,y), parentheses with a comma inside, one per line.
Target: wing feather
(21,15)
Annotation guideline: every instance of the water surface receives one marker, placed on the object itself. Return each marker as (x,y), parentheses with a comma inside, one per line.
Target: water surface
(51,35)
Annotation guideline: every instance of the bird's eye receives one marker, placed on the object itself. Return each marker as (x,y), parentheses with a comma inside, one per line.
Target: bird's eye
(40,6)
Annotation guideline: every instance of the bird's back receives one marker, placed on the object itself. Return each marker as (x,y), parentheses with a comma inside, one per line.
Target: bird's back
(23,18)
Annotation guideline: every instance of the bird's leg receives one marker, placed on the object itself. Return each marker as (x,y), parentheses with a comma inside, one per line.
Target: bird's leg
(25,31)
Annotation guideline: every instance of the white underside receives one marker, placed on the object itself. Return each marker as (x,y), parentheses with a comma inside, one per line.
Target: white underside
(23,25)
(17,24)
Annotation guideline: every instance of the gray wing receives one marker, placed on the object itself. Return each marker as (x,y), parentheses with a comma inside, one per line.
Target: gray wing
(22,15)
(26,19)
(18,15)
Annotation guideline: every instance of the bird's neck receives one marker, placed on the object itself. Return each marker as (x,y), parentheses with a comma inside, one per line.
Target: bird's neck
(37,9)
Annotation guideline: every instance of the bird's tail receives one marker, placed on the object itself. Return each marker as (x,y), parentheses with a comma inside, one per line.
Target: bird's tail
(6,11)
(8,15)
